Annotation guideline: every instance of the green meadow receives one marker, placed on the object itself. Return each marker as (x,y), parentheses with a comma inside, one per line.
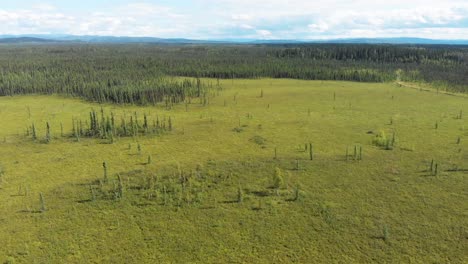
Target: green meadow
(264,171)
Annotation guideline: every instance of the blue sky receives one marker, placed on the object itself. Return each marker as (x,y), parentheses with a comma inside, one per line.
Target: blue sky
(238,19)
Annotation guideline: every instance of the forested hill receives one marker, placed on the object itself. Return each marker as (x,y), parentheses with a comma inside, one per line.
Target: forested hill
(26,40)
(131,73)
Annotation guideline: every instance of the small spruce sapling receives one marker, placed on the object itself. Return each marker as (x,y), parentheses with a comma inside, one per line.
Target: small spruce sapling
(33,131)
(1,175)
(311,153)
(93,193)
(48,136)
(104,166)
(165,194)
(240,194)
(278,181)
(42,201)
(145,122)
(120,189)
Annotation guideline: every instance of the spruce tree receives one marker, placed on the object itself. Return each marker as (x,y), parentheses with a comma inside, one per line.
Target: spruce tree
(48,136)
(33,131)
(104,166)
(311,152)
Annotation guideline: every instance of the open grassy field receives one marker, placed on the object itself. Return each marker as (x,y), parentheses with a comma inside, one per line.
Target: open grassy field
(233,181)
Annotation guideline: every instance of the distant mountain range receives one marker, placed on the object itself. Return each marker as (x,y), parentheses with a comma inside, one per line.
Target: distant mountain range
(95,39)
(42,39)
(25,40)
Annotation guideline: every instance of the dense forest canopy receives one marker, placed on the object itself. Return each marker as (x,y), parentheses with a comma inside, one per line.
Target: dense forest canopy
(143,73)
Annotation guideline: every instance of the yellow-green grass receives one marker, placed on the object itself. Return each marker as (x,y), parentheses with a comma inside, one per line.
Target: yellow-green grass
(386,208)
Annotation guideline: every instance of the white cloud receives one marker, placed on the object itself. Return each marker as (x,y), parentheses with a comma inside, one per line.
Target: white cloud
(318,27)
(241,17)
(246,26)
(265,34)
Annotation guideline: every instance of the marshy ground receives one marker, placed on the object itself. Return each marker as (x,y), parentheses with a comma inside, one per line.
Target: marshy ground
(233,180)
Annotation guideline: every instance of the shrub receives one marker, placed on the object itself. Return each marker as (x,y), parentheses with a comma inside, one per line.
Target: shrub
(278,181)
(386,233)
(296,193)
(382,141)
(258,140)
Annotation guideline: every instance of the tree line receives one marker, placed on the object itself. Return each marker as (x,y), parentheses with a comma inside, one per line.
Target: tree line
(147,73)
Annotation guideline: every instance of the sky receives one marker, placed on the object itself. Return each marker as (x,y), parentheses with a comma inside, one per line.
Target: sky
(238,19)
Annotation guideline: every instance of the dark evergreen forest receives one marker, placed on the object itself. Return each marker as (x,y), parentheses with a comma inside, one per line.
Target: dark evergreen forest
(145,73)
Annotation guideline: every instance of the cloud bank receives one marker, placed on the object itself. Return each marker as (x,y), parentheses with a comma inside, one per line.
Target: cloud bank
(242,19)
